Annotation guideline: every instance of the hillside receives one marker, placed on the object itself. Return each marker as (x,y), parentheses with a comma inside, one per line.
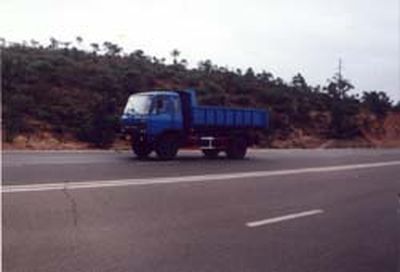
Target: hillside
(59,96)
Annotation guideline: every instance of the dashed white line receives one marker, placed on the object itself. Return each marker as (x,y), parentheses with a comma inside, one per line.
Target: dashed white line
(282,218)
(186,179)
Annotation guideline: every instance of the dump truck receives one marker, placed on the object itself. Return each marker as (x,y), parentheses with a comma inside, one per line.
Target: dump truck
(166,120)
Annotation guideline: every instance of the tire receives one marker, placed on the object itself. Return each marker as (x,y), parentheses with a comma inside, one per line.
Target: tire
(141,150)
(237,148)
(167,147)
(210,153)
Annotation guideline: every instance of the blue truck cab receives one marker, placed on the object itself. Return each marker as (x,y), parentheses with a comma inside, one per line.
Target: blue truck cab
(166,120)
(153,113)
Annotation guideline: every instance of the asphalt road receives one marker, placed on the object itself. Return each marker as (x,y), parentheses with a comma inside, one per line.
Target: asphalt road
(278,210)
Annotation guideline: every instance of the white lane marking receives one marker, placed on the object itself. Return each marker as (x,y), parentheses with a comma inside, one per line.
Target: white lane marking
(184,179)
(282,218)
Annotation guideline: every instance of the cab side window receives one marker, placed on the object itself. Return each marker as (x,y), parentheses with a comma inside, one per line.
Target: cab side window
(163,104)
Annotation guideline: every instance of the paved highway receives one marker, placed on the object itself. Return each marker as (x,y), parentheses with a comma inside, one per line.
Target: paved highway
(278,210)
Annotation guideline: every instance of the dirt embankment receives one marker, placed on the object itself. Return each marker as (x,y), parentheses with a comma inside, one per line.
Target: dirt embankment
(384,134)
(374,133)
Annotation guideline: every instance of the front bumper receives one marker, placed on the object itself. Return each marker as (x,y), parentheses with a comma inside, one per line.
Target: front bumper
(134,132)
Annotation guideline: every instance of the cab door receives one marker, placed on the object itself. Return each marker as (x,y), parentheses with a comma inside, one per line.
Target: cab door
(165,115)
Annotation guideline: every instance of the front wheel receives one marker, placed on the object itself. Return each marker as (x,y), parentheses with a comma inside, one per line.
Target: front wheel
(167,147)
(141,150)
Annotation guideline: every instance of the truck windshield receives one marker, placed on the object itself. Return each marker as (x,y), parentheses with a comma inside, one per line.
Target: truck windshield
(138,104)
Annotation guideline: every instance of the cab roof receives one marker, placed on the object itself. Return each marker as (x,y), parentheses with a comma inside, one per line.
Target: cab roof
(158,92)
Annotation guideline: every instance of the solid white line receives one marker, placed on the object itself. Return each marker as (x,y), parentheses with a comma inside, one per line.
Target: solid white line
(282,218)
(185,179)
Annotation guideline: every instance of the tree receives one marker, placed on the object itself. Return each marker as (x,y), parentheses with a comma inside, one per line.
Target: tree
(175,54)
(266,77)
(279,81)
(377,102)
(183,62)
(299,83)
(249,74)
(112,49)
(338,87)
(34,43)
(343,107)
(102,127)
(95,47)
(54,43)
(66,45)
(79,40)
(206,66)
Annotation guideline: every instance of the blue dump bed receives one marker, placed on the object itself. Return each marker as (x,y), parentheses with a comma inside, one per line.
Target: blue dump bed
(222,117)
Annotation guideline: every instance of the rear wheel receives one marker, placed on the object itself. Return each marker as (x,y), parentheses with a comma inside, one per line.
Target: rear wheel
(237,148)
(210,153)
(167,147)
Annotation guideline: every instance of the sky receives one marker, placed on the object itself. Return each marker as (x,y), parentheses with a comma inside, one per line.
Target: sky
(284,37)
